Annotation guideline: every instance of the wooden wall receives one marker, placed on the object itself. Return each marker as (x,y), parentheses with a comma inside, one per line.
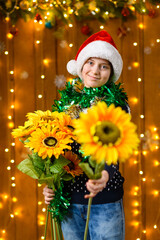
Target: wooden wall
(25,58)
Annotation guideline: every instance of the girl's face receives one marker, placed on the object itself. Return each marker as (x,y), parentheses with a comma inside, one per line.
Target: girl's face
(96,72)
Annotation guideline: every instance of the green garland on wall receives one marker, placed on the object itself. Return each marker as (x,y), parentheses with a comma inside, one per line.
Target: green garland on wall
(64,11)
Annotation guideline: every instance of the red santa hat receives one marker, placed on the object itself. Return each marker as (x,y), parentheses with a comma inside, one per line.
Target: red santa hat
(99,45)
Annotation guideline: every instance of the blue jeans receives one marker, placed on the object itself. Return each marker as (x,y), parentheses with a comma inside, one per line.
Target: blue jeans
(106,222)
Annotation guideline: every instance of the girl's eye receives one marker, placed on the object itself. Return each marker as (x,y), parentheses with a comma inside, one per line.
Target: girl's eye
(90,62)
(104,67)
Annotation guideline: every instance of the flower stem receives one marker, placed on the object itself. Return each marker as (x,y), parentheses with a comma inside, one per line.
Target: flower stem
(88,216)
(51,226)
(45,233)
(59,231)
(54,229)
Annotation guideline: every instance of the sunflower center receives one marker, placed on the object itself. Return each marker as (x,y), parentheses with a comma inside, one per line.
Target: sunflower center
(71,166)
(50,141)
(107,132)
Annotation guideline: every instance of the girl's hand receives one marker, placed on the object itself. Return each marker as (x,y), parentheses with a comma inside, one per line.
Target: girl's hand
(97,185)
(48,194)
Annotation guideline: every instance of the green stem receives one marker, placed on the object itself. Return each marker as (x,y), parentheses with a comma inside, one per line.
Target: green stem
(45,233)
(59,231)
(54,229)
(88,216)
(51,220)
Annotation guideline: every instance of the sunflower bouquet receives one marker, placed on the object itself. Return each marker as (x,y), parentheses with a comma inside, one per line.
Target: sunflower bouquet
(49,137)
(107,135)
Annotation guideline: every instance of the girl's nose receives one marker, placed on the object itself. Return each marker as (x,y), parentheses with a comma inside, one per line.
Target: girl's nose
(95,69)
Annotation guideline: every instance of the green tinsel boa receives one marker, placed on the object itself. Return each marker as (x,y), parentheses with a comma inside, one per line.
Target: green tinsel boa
(60,204)
(72,95)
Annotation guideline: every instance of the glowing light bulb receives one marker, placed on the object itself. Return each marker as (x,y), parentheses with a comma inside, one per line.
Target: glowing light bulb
(13,144)
(142,135)
(12,90)
(139,79)
(40,96)
(6,52)
(70,25)
(11,72)
(65,15)
(155,226)
(6,150)
(42,237)
(134,100)
(45,61)
(135,64)
(40,22)
(12,178)
(101,27)
(135,44)
(135,212)
(8,168)
(39,203)
(141,172)
(143,179)
(141,26)
(155,193)
(12,106)
(9,36)
(106,12)
(13,184)
(5,196)
(158,40)
(38,42)
(135,204)
(141,116)
(71,45)
(14,199)
(12,161)
(144,153)
(12,215)
(144,231)
(43,209)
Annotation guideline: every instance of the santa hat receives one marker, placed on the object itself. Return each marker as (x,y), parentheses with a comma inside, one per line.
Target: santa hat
(99,45)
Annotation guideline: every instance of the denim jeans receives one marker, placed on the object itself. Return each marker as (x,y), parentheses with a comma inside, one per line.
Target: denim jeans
(106,222)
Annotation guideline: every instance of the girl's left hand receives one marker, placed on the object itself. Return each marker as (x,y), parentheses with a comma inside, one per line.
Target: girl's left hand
(95,186)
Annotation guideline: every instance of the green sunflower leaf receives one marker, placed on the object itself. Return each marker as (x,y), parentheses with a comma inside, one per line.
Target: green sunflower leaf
(58,164)
(87,169)
(49,180)
(67,177)
(27,167)
(99,167)
(37,161)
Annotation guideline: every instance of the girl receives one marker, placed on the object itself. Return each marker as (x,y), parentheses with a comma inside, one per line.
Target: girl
(98,65)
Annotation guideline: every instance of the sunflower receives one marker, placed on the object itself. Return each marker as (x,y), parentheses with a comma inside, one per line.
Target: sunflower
(62,121)
(73,168)
(23,132)
(106,133)
(47,141)
(39,117)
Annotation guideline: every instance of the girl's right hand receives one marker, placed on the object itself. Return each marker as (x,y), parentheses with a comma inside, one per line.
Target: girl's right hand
(48,194)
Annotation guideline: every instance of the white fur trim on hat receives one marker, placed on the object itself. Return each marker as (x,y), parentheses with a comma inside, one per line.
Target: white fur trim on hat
(98,49)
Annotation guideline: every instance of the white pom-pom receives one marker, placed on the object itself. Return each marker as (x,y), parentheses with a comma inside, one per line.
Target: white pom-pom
(72,67)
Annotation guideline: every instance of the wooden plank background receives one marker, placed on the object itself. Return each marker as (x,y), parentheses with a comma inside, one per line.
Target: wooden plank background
(141,199)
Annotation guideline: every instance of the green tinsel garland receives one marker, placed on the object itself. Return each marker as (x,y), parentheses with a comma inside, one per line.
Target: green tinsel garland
(110,93)
(60,204)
